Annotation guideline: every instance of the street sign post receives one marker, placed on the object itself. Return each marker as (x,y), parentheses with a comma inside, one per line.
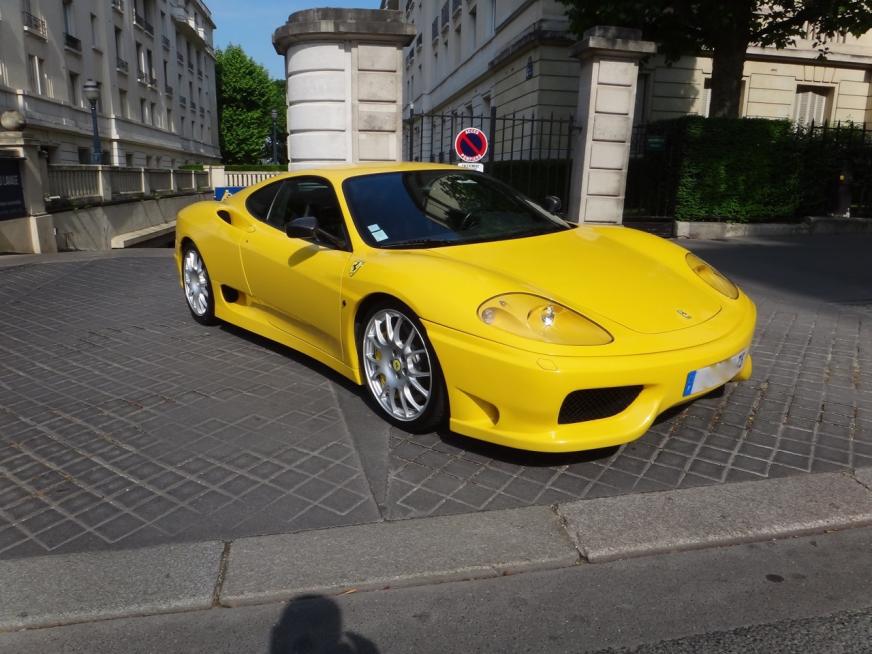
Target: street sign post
(471,145)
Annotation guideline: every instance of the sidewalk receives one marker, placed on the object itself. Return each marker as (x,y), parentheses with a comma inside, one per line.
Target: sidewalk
(56,590)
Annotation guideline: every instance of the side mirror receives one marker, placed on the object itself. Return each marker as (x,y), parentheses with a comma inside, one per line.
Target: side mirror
(552,204)
(304,227)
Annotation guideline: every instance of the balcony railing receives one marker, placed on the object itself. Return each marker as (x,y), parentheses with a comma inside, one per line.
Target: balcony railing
(146,78)
(180,58)
(72,42)
(190,67)
(193,106)
(446,14)
(419,42)
(34,24)
(118,5)
(456,6)
(165,40)
(121,65)
(202,112)
(183,101)
(140,21)
(435,29)
(199,73)
(168,90)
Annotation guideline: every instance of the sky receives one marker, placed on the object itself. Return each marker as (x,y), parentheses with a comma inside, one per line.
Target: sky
(251,23)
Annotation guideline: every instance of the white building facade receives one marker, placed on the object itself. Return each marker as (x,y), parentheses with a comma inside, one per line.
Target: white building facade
(471,55)
(155,66)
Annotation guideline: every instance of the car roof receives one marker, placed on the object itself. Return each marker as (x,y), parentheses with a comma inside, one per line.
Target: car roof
(344,171)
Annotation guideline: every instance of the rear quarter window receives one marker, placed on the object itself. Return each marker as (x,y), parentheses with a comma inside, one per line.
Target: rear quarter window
(259,202)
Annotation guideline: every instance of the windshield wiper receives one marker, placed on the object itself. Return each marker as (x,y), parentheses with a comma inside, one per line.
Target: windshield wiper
(420,243)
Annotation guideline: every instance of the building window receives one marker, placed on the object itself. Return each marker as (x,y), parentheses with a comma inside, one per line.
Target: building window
(493,16)
(69,18)
(170,126)
(75,96)
(36,75)
(84,156)
(143,111)
(94,31)
(128,159)
(152,114)
(812,105)
(122,103)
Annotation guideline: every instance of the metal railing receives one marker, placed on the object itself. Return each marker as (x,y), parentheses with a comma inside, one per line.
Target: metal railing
(140,21)
(168,90)
(180,58)
(68,185)
(532,153)
(435,29)
(247,177)
(165,40)
(183,101)
(456,6)
(73,182)
(118,5)
(72,42)
(122,65)
(446,15)
(34,24)
(160,179)
(125,181)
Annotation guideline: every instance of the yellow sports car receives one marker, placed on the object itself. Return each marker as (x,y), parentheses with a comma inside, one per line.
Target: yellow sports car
(450,297)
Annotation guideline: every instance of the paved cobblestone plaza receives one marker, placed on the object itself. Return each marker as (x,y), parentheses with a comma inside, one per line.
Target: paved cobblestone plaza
(124,423)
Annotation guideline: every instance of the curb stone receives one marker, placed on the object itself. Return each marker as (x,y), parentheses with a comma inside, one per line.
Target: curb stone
(65,589)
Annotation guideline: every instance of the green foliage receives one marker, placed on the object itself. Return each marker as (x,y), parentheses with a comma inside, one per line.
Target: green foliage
(197,167)
(725,29)
(246,95)
(752,170)
(738,170)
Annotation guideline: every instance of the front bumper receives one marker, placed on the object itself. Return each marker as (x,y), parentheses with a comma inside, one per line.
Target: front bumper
(512,397)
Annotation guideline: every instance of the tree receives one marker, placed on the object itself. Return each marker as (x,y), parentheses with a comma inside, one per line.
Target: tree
(246,96)
(724,30)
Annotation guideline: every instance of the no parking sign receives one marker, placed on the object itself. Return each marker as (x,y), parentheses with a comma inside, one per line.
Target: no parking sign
(471,145)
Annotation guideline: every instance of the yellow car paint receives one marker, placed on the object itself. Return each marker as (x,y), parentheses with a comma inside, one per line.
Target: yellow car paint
(665,320)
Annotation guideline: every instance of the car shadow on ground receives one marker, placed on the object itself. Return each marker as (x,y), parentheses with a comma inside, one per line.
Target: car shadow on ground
(481,448)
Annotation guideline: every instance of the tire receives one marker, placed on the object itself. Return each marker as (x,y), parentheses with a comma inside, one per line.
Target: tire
(402,378)
(198,287)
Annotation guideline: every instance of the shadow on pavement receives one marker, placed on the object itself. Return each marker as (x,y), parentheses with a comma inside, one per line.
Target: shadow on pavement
(312,624)
(823,268)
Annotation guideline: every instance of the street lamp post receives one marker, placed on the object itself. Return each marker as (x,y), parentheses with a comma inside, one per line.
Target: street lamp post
(92,94)
(275,146)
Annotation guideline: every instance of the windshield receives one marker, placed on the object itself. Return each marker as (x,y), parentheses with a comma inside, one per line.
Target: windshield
(434,208)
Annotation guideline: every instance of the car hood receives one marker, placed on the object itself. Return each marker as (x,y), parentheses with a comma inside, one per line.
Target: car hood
(609,272)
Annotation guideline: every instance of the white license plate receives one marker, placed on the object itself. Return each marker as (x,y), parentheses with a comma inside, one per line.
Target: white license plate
(705,379)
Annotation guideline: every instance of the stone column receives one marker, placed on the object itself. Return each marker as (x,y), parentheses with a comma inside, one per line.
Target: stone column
(345,85)
(606,99)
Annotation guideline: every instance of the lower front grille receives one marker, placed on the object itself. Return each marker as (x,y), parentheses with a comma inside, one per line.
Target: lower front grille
(596,403)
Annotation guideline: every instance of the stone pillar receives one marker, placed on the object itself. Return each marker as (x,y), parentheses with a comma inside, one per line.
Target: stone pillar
(606,99)
(345,85)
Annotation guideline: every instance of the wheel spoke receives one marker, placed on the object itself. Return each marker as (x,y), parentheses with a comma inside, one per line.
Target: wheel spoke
(386,332)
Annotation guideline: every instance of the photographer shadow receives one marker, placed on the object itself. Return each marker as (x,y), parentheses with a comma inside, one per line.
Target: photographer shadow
(312,624)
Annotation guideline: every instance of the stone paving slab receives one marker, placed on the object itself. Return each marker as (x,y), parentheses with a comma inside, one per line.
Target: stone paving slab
(390,555)
(641,525)
(123,423)
(63,589)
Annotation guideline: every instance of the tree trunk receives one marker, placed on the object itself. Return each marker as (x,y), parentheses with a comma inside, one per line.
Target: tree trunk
(728,64)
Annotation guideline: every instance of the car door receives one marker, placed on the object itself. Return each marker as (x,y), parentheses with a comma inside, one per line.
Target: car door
(297,282)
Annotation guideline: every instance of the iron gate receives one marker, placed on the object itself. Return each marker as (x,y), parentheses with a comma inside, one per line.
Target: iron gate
(532,154)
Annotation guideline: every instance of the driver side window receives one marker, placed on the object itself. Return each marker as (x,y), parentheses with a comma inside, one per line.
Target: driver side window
(309,196)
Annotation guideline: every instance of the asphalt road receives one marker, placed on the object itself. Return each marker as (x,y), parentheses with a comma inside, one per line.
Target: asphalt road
(801,595)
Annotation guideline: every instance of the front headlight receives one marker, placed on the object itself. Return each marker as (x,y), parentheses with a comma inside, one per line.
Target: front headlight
(712,277)
(536,318)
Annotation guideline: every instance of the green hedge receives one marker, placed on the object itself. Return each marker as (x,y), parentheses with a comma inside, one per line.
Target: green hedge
(748,170)
(738,170)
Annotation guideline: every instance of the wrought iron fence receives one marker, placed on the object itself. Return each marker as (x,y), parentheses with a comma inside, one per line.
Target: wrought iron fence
(533,154)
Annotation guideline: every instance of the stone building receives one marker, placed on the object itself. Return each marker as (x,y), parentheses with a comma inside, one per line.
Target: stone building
(154,63)
(471,55)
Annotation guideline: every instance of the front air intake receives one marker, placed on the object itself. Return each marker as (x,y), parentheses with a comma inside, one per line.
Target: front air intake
(596,403)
